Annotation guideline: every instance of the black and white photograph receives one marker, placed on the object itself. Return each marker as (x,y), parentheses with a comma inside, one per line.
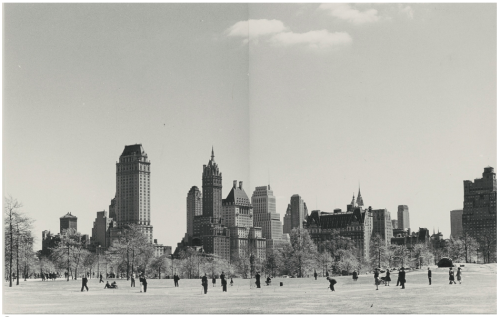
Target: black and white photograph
(249,158)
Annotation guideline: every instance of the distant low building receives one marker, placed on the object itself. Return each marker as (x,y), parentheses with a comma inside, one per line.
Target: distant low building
(68,221)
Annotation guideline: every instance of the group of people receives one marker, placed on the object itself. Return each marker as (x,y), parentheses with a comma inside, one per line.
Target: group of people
(452,276)
(223,282)
(387,278)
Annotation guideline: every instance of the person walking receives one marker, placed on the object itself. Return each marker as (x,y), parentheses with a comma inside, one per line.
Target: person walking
(213,281)
(399,277)
(387,277)
(204,283)
(84,283)
(429,275)
(315,275)
(452,276)
(402,277)
(132,280)
(100,279)
(355,276)
(257,279)
(459,276)
(375,276)
(332,283)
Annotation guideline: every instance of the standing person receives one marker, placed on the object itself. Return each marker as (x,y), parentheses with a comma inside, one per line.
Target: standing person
(141,280)
(452,276)
(100,279)
(257,279)
(213,281)
(387,277)
(327,275)
(84,283)
(399,277)
(315,275)
(355,275)
(223,282)
(375,276)
(332,283)
(402,277)
(176,281)
(231,281)
(429,275)
(132,280)
(204,283)
(459,276)
(144,283)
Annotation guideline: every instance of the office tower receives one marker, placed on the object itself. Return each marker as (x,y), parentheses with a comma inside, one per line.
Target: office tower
(132,200)
(67,221)
(403,217)
(456,222)
(101,230)
(193,208)
(382,225)
(212,189)
(479,217)
(264,213)
(287,220)
(394,224)
(298,212)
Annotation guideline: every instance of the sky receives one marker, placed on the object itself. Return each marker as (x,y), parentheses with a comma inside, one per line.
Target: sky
(317,100)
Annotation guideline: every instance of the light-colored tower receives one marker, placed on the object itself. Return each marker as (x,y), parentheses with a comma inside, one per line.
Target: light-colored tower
(382,225)
(264,213)
(133,189)
(193,208)
(403,217)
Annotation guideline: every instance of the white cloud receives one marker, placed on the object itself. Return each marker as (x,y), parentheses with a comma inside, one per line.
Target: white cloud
(408,11)
(312,39)
(347,12)
(255,28)
(275,32)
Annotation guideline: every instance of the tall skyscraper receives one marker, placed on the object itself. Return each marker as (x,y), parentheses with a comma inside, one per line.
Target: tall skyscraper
(287,220)
(212,189)
(456,222)
(132,200)
(67,221)
(193,208)
(101,230)
(382,224)
(298,212)
(266,217)
(403,217)
(479,217)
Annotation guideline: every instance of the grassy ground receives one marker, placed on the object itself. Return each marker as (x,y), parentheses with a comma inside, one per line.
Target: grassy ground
(476,294)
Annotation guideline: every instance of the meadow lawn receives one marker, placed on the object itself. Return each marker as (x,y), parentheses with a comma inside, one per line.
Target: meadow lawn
(476,294)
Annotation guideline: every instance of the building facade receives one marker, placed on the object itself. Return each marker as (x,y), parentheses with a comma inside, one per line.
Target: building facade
(456,223)
(132,200)
(101,230)
(479,218)
(194,205)
(382,225)
(394,224)
(68,221)
(287,220)
(299,211)
(403,217)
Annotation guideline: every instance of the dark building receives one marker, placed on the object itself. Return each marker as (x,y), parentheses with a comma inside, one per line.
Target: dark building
(295,215)
(405,237)
(403,217)
(456,222)
(67,221)
(49,242)
(479,217)
(208,230)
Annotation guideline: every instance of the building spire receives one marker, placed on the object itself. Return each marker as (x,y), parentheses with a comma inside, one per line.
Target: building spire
(359,201)
(213,153)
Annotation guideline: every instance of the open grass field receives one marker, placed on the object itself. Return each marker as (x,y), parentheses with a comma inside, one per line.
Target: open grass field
(476,294)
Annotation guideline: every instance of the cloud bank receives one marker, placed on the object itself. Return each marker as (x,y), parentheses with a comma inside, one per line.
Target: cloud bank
(275,32)
(347,12)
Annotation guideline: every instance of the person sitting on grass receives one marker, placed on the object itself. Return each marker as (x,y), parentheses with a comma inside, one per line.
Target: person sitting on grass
(113,285)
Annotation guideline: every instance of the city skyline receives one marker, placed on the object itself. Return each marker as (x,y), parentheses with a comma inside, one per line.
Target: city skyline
(399,100)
